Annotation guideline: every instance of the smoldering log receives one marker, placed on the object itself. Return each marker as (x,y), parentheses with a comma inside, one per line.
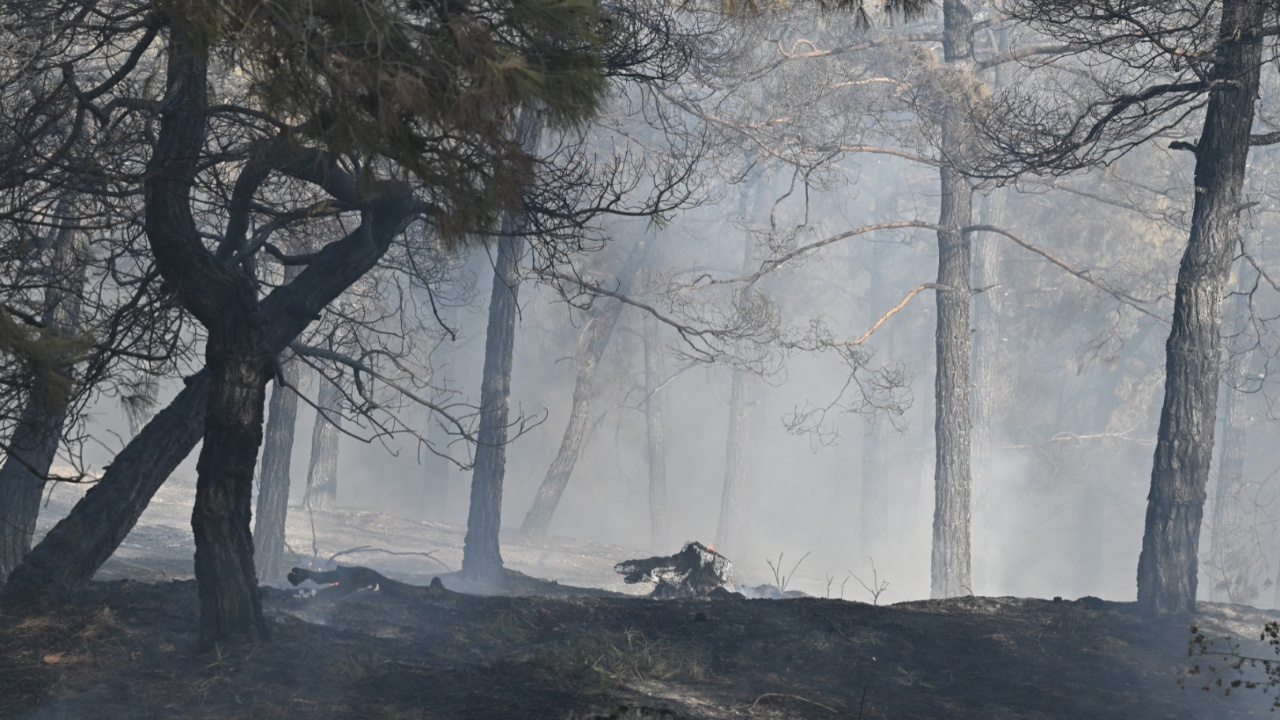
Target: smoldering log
(695,571)
(348,579)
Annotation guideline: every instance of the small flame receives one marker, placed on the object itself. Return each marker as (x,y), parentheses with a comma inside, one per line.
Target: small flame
(332,584)
(711,548)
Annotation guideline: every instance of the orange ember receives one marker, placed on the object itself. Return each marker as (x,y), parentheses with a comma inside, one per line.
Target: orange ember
(711,548)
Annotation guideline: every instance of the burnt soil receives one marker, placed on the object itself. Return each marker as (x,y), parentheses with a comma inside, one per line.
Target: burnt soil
(126,649)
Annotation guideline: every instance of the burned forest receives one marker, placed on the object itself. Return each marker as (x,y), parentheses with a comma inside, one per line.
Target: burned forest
(578,359)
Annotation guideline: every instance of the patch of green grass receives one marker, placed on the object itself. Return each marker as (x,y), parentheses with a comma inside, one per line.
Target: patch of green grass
(613,658)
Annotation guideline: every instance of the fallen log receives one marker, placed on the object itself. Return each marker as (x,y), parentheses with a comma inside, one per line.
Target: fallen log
(695,571)
(348,579)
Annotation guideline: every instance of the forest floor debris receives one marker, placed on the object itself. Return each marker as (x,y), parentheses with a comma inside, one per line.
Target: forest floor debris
(125,650)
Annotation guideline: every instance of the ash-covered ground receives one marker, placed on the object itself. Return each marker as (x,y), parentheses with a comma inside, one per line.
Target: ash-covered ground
(126,648)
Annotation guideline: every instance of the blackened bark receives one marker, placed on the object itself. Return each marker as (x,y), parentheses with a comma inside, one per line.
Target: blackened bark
(273,475)
(35,439)
(481,553)
(950,566)
(235,355)
(655,376)
(322,472)
(1167,567)
(737,465)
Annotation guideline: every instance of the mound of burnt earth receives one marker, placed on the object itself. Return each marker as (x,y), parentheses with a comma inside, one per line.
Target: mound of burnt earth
(125,650)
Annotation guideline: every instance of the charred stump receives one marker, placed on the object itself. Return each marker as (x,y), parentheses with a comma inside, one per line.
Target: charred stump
(695,571)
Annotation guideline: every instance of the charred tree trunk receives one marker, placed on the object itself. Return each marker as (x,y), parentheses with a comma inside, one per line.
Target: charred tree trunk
(595,338)
(655,375)
(35,438)
(224,302)
(273,477)
(1167,567)
(950,566)
(69,555)
(322,473)
(481,552)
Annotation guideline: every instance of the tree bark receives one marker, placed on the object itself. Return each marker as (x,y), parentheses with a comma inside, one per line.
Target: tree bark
(655,375)
(481,552)
(273,477)
(950,566)
(594,340)
(482,555)
(1167,567)
(35,438)
(322,473)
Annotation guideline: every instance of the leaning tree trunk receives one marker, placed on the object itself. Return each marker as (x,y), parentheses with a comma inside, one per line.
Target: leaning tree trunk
(595,337)
(1167,567)
(594,340)
(950,566)
(322,473)
(655,377)
(273,477)
(39,430)
(69,555)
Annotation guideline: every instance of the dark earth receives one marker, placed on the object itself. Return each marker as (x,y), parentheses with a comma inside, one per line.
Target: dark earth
(125,649)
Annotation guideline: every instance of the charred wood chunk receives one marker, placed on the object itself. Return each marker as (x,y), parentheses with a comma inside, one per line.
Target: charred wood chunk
(348,579)
(695,571)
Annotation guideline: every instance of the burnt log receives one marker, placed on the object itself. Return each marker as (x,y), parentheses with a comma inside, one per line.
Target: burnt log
(348,579)
(695,571)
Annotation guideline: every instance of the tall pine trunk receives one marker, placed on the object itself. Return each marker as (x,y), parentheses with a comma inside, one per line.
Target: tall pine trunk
(655,375)
(1167,567)
(950,567)
(36,437)
(481,552)
(737,466)
(273,477)
(322,472)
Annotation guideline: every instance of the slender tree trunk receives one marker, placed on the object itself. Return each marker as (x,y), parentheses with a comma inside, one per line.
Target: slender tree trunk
(655,374)
(950,566)
(737,465)
(1233,564)
(322,473)
(1167,568)
(481,553)
(594,339)
(273,477)
(35,438)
